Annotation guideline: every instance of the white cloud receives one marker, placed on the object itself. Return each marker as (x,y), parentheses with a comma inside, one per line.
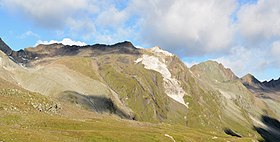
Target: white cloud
(187,27)
(246,60)
(275,50)
(259,22)
(84,28)
(65,41)
(111,17)
(258,29)
(50,13)
(86,19)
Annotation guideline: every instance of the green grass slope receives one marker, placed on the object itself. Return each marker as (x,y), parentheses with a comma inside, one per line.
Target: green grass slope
(26,116)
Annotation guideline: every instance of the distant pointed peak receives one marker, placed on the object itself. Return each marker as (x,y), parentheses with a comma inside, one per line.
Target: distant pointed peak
(211,64)
(250,79)
(248,76)
(214,70)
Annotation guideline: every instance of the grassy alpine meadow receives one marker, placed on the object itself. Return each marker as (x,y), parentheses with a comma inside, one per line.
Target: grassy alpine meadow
(27,116)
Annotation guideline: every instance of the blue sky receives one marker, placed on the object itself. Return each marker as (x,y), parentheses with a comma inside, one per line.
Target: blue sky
(242,34)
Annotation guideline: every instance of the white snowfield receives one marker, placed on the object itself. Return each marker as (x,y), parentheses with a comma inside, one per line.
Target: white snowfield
(157,50)
(172,86)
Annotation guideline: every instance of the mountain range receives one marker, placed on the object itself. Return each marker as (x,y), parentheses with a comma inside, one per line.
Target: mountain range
(119,92)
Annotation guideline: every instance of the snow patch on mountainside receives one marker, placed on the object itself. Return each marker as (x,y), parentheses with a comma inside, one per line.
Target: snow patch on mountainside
(171,85)
(153,63)
(158,50)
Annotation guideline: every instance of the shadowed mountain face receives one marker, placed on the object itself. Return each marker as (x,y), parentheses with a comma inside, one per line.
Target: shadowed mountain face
(271,132)
(274,84)
(94,103)
(267,89)
(253,83)
(250,80)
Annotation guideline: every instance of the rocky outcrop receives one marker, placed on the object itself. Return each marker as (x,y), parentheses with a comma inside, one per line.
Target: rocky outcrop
(251,82)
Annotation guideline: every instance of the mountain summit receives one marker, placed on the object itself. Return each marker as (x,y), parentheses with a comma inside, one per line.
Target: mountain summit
(250,81)
(212,70)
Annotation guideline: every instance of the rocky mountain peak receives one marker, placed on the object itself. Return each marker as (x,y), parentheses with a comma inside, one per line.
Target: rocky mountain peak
(214,71)
(250,80)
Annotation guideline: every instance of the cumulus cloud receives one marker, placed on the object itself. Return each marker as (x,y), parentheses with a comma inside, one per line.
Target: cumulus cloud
(50,14)
(246,60)
(85,19)
(111,17)
(258,27)
(84,28)
(259,22)
(275,52)
(187,27)
(65,41)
